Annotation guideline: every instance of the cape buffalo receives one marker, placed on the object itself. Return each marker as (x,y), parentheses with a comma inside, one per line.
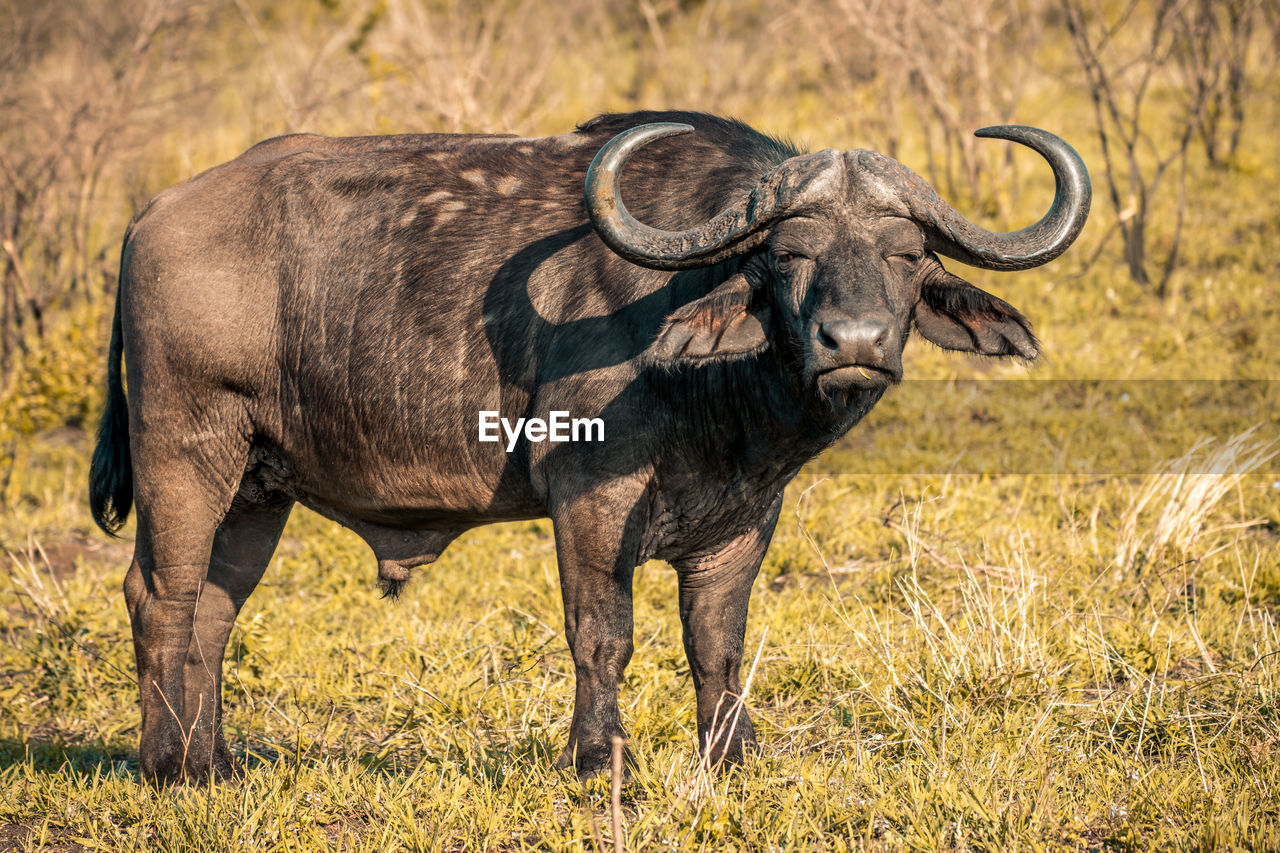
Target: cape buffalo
(324,320)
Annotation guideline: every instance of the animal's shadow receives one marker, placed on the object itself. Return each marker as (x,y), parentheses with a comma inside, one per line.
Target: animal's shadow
(576,347)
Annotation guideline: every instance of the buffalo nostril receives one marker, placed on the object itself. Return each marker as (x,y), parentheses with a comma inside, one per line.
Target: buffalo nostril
(867,340)
(829,335)
(842,335)
(880,331)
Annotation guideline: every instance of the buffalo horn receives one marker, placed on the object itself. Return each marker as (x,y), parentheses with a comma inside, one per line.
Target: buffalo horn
(735,230)
(952,235)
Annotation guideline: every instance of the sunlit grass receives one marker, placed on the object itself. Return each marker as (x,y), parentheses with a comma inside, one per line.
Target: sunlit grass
(978,671)
(939,661)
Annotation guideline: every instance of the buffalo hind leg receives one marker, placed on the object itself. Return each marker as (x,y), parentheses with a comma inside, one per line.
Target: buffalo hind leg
(597,548)
(183,491)
(242,548)
(714,592)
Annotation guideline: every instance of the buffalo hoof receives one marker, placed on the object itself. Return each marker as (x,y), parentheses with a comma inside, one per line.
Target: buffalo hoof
(590,760)
(170,769)
(722,750)
(732,756)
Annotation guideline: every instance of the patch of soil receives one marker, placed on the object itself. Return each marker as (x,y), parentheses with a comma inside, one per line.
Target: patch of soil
(14,835)
(63,556)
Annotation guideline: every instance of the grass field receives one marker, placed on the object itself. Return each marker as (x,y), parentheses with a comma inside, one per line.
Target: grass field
(937,662)
(946,651)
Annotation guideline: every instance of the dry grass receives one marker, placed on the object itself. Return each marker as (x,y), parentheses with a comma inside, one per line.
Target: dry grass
(1169,514)
(939,660)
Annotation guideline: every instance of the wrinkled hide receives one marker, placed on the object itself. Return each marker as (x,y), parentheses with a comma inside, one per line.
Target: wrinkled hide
(320,321)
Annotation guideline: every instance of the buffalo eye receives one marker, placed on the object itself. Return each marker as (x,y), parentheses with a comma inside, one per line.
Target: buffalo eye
(908,257)
(784,259)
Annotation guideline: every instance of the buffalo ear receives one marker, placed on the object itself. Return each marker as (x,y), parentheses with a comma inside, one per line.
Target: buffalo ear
(719,326)
(956,315)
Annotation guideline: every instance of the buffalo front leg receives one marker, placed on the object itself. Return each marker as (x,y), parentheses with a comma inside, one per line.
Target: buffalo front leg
(714,593)
(242,548)
(597,544)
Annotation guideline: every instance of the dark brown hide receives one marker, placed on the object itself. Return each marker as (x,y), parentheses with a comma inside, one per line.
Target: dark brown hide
(321,321)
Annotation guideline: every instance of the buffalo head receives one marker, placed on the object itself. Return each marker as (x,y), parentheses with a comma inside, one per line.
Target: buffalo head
(839,258)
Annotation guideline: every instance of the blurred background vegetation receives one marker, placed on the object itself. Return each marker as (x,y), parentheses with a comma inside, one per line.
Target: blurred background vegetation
(105,104)
(1047,613)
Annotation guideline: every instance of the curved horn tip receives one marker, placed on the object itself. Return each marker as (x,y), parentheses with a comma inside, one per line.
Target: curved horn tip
(617,150)
(1032,137)
(1014,132)
(645,133)
(672,127)
(1049,145)
(1037,244)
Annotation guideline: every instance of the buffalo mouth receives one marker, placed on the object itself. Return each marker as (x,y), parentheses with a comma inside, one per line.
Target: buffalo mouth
(856,376)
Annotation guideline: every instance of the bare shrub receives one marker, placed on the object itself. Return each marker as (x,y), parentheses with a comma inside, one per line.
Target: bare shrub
(1198,49)
(313,81)
(939,70)
(462,67)
(71,80)
(1212,53)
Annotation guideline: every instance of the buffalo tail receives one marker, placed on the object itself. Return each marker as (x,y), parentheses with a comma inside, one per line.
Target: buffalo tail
(111,472)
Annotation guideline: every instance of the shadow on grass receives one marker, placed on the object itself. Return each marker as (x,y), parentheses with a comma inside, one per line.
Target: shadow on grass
(55,755)
(489,764)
